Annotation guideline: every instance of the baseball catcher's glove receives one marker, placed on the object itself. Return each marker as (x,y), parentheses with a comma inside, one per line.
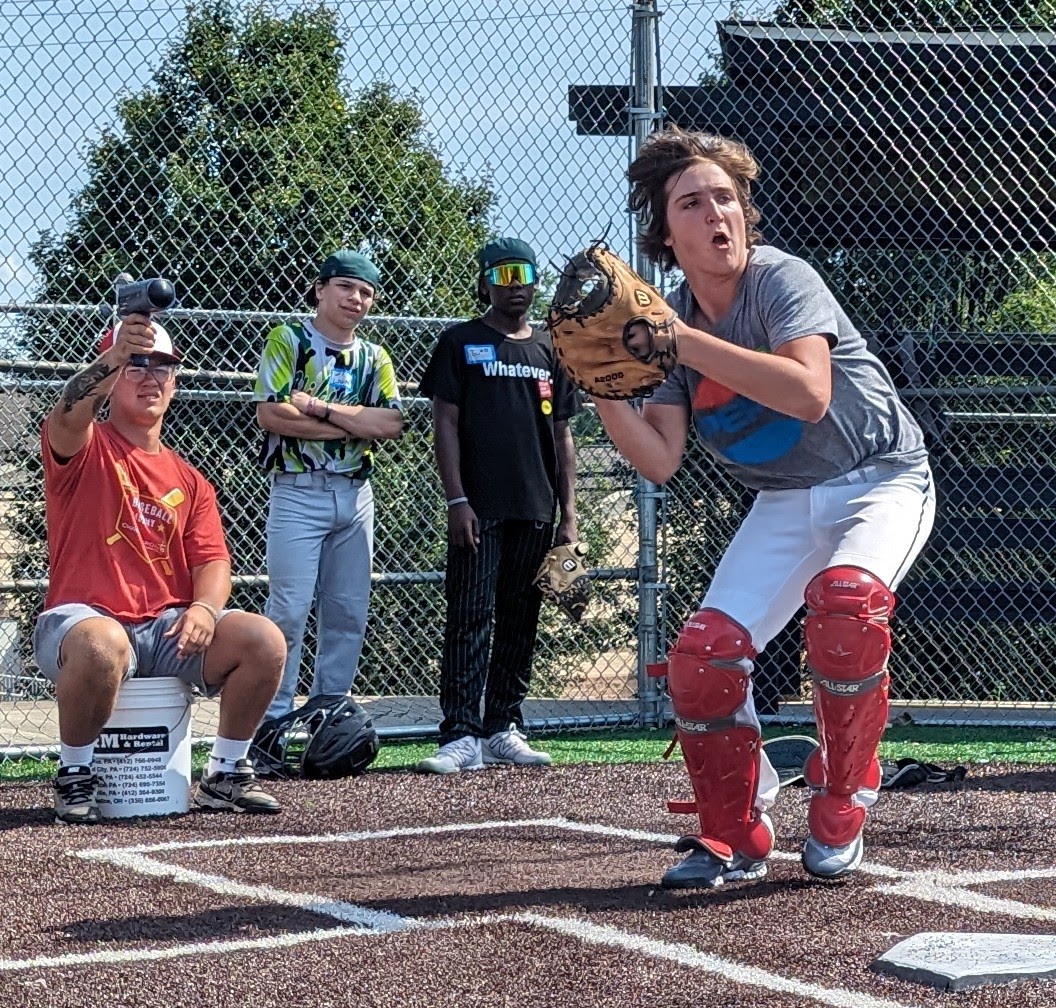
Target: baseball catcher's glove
(562,578)
(613,332)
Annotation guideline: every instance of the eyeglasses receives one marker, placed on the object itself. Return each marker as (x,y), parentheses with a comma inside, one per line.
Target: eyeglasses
(507,274)
(161,373)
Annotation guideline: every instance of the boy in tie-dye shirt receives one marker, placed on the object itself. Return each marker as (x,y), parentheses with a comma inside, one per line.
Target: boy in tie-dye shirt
(324,395)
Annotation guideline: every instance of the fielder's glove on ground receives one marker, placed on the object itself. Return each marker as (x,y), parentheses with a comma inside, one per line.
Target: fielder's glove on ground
(613,332)
(562,578)
(907,773)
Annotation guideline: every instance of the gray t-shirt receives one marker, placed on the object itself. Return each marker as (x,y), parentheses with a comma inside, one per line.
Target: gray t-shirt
(782,298)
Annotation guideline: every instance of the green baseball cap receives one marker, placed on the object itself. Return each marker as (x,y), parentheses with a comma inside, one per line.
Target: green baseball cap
(345,263)
(505,250)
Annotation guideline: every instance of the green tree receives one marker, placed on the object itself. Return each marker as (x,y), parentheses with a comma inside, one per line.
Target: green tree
(1031,310)
(1032,306)
(241,164)
(244,161)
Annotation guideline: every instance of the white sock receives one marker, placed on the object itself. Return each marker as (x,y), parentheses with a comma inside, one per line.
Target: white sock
(76,755)
(226,753)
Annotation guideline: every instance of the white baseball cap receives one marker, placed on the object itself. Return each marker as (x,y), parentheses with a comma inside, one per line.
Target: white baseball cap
(162,342)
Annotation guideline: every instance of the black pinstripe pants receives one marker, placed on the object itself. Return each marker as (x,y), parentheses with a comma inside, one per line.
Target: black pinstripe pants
(490,589)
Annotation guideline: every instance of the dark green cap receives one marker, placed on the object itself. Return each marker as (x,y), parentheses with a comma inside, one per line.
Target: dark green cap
(505,250)
(345,263)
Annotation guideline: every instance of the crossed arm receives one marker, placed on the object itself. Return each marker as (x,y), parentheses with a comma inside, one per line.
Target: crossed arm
(303,417)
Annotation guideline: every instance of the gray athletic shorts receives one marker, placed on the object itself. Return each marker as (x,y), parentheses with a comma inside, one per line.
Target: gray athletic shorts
(152,654)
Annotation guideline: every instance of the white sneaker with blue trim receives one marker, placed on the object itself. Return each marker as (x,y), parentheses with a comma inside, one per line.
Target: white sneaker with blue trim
(457,755)
(511,747)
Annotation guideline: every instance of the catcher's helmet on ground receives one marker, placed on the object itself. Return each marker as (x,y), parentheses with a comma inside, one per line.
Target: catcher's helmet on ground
(330,736)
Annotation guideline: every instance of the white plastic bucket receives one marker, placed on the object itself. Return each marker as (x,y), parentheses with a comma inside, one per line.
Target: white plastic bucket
(143,754)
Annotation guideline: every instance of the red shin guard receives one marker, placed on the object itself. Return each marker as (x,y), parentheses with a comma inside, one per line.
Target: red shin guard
(848,642)
(708,677)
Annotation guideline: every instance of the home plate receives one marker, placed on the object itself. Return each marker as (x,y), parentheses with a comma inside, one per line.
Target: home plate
(955,961)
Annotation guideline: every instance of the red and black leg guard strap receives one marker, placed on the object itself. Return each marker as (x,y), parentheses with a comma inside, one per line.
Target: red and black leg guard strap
(708,677)
(848,642)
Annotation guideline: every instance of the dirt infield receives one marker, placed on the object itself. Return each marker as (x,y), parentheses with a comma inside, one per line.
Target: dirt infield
(506,887)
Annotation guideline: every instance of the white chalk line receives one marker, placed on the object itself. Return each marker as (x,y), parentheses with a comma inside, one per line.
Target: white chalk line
(109,958)
(686,955)
(946,888)
(347,913)
(361,922)
(582,931)
(388,834)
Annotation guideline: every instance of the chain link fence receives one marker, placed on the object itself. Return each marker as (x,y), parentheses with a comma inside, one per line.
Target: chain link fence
(904,154)
(230,147)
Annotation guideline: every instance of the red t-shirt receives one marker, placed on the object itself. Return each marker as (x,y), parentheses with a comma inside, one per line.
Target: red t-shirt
(125,527)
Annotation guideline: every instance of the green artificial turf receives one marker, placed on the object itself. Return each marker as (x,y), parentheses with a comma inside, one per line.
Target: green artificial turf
(945,746)
(928,745)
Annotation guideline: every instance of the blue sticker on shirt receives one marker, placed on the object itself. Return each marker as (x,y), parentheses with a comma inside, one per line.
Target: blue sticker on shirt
(344,383)
(480,353)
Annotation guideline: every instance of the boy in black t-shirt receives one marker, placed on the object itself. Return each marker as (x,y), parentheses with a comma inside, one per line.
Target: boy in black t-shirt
(501,405)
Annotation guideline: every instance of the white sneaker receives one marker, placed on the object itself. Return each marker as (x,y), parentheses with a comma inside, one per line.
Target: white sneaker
(511,746)
(459,754)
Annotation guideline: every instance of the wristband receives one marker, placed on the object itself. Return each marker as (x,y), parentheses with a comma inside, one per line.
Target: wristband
(209,609)
(457,500)
(326,415)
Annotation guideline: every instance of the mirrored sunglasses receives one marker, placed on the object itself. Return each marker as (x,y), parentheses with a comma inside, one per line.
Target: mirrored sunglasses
(508,274)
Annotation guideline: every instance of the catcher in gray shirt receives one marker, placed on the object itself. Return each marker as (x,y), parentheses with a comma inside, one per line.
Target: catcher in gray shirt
(783,392)
(781,299)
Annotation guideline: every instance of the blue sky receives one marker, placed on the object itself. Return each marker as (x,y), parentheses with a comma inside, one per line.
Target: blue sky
(492,83)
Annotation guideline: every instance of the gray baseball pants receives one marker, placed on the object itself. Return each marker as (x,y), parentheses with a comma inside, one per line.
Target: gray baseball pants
(320,547)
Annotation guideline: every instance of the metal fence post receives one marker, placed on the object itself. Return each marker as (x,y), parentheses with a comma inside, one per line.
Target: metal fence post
(645,114)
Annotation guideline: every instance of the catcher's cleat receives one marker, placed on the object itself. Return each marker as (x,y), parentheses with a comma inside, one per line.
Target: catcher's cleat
(457,755)
(825,862)
(511,748)
(703,870)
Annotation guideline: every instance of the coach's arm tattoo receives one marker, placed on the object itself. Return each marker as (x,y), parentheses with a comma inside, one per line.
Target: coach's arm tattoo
(85,385)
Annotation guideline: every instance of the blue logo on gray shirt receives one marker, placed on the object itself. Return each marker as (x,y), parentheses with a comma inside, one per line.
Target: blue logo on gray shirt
(742,430)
